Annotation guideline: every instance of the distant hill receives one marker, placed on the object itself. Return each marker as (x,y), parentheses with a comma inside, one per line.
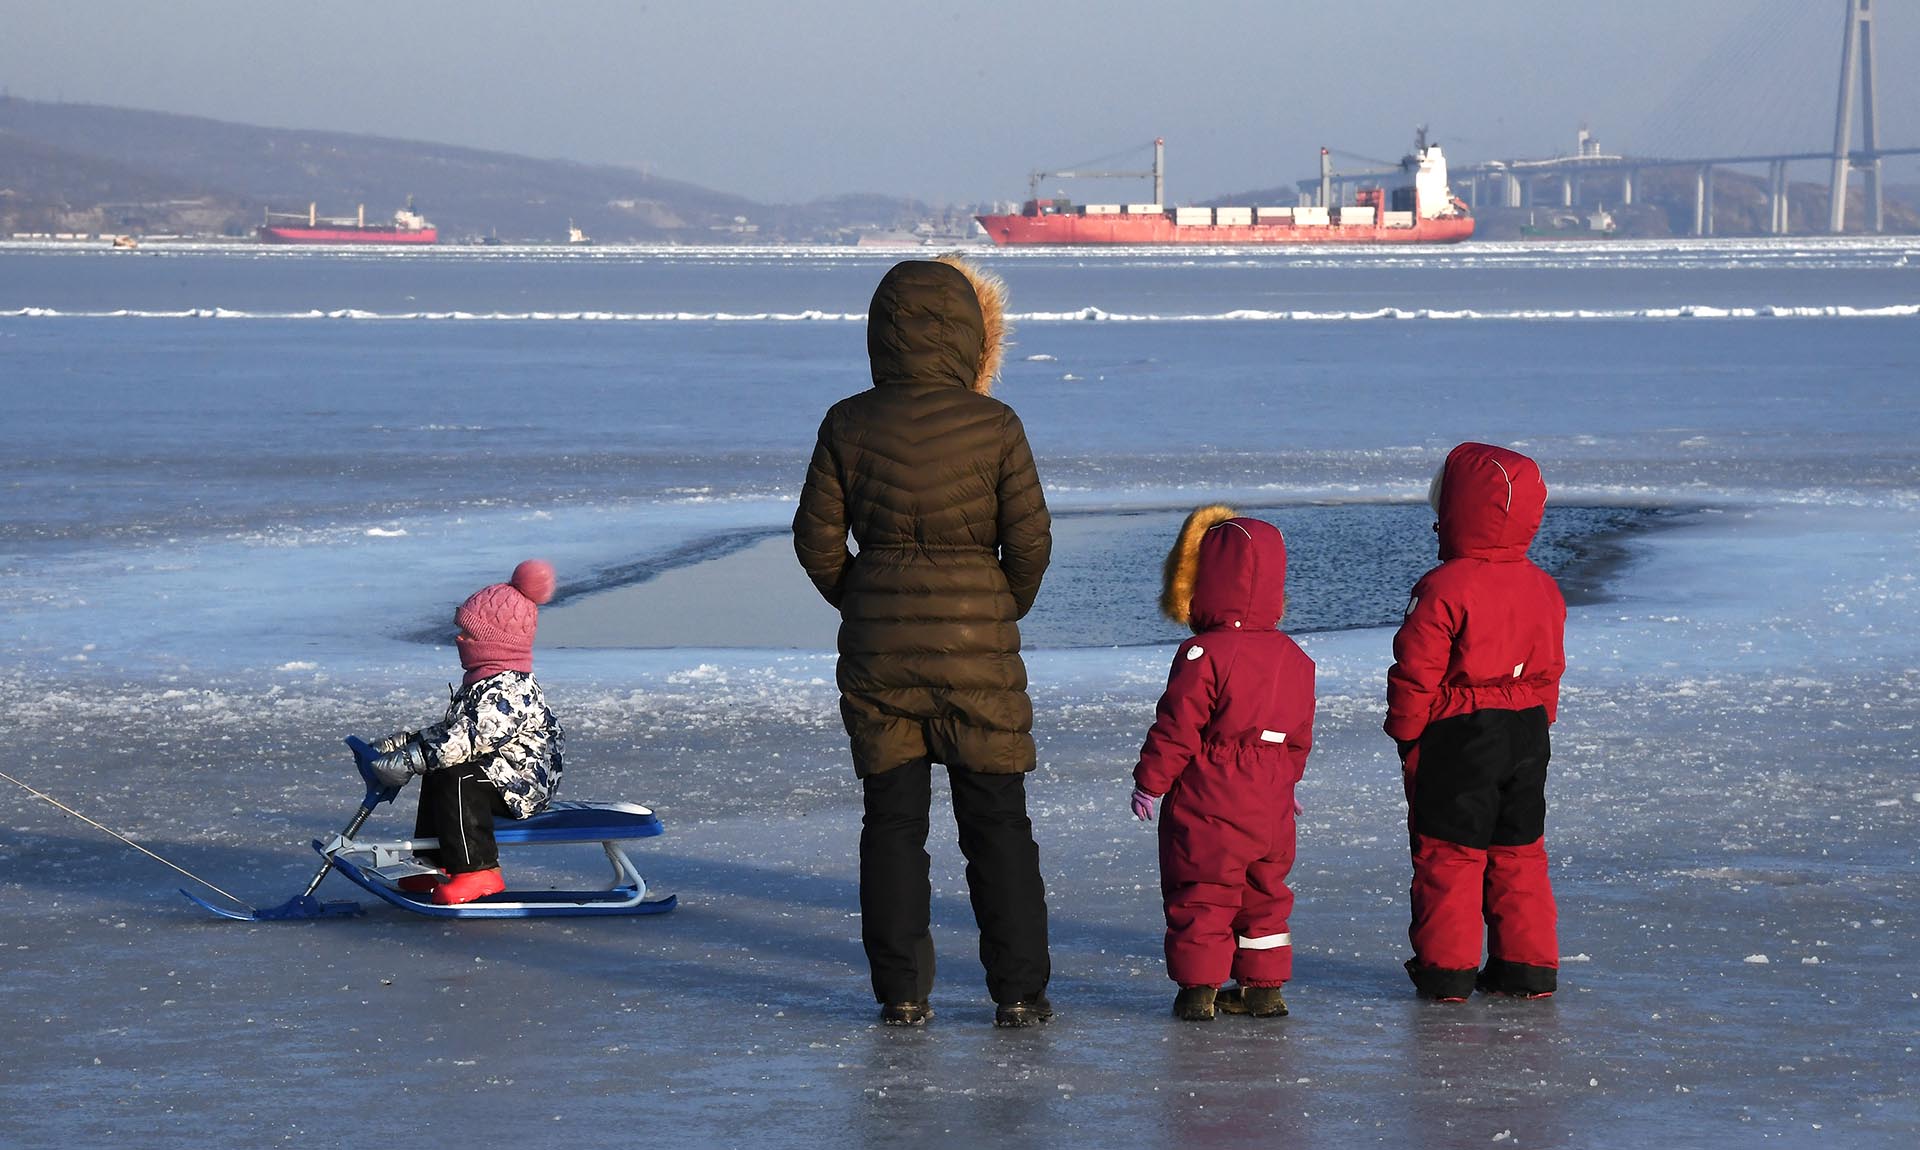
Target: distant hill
(87,168)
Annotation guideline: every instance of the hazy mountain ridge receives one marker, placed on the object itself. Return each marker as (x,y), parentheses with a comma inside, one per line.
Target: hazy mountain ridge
(88,168)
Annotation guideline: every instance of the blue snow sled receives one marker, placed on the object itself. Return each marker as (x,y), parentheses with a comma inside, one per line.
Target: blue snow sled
(377,867)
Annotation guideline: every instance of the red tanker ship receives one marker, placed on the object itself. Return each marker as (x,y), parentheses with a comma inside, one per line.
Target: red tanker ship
(408,227)
(1424,210)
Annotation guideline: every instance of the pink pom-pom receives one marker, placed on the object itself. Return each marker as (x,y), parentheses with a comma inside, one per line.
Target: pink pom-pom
(534,579)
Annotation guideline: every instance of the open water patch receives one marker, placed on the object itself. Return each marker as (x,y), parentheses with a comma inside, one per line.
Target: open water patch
(1349,565)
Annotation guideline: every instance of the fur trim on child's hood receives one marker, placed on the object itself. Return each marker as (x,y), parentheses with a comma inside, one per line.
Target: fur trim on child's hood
(1182,570)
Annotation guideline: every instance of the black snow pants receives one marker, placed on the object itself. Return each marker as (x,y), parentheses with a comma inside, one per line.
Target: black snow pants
(1479,816)
(457,806)
(1003,881)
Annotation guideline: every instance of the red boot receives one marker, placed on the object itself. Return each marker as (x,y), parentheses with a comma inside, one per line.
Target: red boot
(469,885)
(421,883)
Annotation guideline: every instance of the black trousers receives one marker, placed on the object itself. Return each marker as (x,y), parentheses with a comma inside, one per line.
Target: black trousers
(1482,779)
(1003,881)
(457,806)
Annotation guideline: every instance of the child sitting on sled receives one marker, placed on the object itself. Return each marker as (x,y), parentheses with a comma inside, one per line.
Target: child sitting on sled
(497,751)
(1226,750)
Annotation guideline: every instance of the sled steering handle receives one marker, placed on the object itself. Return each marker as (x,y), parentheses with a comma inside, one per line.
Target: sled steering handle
(359,819)
(376,794)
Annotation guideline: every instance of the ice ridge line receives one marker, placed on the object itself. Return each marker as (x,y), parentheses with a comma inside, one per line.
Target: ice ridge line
(1086,314)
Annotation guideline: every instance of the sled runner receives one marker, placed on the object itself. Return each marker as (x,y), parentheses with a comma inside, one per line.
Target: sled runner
(376,866)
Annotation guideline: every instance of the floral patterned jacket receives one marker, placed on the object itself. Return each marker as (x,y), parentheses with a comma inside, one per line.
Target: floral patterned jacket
(503,726)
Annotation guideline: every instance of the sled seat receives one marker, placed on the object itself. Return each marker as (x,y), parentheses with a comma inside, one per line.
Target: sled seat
(580,822)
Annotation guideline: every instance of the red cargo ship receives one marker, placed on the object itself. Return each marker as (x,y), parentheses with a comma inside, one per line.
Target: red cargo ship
(408,227)
(1423,210)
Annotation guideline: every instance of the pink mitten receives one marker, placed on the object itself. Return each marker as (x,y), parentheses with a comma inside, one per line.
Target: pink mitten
(1143,805)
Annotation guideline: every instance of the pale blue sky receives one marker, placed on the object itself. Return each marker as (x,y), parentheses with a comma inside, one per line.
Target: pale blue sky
(785,99)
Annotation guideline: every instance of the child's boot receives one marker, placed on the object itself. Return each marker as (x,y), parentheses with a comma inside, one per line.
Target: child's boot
(1194,1004)
(421,883)
(1440,984)
(469,885)
(1517,980)
(1258,1001)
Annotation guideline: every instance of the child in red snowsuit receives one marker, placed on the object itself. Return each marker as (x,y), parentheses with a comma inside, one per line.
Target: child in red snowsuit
(1227,747)
(1474,684)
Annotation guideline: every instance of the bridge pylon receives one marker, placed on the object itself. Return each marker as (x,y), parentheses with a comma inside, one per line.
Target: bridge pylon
(1856,71)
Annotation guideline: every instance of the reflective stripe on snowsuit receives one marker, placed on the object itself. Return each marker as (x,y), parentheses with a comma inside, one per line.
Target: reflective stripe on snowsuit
(1226,847)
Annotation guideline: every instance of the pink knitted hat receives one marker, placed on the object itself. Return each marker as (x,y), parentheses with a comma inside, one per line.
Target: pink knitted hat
(497,622)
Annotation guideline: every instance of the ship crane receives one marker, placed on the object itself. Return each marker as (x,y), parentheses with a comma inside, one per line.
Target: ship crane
(1155,173)
(1327,174)
(1389,165)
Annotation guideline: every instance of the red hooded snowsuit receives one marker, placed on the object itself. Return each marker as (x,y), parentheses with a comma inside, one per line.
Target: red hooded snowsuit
(1474,684)
(1226,748)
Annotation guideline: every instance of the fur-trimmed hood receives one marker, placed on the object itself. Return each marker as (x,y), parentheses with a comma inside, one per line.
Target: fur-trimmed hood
(1225,571)
(938,319)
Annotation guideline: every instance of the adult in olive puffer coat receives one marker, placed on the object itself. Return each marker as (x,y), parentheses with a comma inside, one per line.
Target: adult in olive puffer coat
(934,480)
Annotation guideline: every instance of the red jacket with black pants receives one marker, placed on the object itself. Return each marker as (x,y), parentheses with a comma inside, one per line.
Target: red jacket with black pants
(1474,684)
(1227,747)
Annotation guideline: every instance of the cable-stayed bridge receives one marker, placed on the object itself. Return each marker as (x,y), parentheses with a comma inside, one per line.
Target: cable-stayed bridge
(1678,138)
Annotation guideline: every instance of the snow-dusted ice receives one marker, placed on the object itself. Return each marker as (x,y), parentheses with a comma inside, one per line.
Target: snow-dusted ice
(256,557)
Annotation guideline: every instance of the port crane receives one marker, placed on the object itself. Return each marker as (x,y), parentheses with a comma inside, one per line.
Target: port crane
(1156,174)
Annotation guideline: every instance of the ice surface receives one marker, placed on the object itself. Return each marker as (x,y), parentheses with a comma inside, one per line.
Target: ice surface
(198,602)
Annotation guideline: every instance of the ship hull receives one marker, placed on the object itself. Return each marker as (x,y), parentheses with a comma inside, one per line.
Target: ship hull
(1017,230)
(289,234)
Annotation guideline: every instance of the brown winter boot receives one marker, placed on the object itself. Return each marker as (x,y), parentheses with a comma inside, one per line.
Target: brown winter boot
(1194,1004)
(1258,1001)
